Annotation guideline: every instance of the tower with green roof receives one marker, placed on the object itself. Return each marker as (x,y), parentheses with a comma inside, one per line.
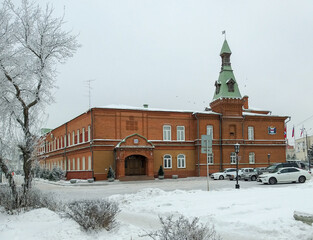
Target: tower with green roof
(227,98)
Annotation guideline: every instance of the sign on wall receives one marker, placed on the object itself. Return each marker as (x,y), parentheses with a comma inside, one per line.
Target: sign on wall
(271,130)
(206,144)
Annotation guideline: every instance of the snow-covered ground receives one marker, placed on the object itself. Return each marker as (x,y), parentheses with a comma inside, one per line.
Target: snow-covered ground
(248,213)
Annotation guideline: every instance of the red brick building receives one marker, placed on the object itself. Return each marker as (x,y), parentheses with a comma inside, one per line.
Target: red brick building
(137,141)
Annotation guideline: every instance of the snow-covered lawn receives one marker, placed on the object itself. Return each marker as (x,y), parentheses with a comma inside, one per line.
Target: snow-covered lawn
(252,213)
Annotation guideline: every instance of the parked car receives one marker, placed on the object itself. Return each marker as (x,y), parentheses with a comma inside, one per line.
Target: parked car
(232,175)
(253,175)
(222,175)
(284,175)
(275,166)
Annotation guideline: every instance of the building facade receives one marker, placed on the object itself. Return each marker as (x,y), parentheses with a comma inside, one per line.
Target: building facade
(137,141)
(301,147)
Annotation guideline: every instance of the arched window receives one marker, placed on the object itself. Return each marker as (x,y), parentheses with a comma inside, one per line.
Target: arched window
(233,158)
(181,161)
(251,158)
(167,159)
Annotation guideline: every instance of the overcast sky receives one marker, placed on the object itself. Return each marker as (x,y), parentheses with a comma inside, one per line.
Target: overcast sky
(166,54)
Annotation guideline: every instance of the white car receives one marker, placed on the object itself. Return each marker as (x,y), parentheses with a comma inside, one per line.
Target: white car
(232,175)
(222,175)
(284,175)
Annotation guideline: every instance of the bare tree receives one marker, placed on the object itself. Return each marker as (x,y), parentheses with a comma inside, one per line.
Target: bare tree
(32,42)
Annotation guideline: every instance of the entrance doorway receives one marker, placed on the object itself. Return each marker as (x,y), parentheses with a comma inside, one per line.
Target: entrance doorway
(135,165)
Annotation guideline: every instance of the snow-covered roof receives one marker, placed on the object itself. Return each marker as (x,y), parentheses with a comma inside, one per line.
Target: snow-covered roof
(260,114)
(125,107)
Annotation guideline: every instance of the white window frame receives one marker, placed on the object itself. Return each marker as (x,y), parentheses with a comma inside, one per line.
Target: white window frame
(73,165)
(89,133)
(73,138)
(61,142)
(89,162)
(250,133)
(83,135)
(58,143)
(233,158)
(69,165)
(69,139)
(181,161)
(180,133)
(167,129)
(210,158)
(78,164)
(65,141)
(251,158)
(209,130)
(78,136)
(84,164)
(167,161)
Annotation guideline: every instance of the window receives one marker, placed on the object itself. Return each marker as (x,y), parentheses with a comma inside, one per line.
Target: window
(78,164)
(167,161)
(250,133)
(73,138)
(61,144)
(73,166)
(89,163)
(181,161)
(77,136)
(209,130)
(68,165)
(65,140)
(69,139)
(58,144)
(217,87)
(180,133)
(230,84)
(233,158)
(83,135)
(166,133)
(89,133)
(84,164)
(210,158)
(251,158)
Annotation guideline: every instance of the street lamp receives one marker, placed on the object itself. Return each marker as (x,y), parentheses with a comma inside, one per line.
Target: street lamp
(268,158)
(237,146)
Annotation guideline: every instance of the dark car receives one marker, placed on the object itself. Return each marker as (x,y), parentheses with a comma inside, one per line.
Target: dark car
(275,166)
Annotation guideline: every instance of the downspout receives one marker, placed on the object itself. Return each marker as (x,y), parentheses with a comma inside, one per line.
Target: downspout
(91,143)
(221,146)
(198,150)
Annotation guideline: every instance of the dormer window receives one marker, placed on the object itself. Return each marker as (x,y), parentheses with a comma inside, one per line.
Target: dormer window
(230,84)
(217,87)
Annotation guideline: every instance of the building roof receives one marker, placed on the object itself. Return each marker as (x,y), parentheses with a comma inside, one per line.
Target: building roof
(225,48)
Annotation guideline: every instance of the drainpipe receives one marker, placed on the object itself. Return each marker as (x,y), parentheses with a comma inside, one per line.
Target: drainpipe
(221,146)
(198,144)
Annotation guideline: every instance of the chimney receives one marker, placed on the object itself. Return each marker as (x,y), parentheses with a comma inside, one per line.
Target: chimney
(145,105)
(245,104)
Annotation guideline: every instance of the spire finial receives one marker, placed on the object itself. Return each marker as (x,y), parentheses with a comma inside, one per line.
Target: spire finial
(224,33)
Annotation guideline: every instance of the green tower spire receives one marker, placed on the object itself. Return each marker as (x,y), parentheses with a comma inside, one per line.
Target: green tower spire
(226,85)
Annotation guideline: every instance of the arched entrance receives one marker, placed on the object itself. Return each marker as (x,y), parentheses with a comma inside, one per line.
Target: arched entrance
(135,165)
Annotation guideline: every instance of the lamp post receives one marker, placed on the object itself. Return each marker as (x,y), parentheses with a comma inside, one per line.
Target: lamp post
(237,146)
(268,158)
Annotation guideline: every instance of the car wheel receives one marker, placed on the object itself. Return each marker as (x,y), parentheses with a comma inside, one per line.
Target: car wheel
(253,178)
(272,180)
(221,177)
(302,179)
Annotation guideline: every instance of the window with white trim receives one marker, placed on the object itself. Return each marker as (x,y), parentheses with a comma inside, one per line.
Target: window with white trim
(251,158)
(233,158)
(209,130)
(73,138)
(58,143)
(167,161)
(83,135)
(166,133)
(77,136)
(84,164)
(78,164)
(210,158)
(61,140)
(89,163)
(69,165)
(69,139)
(73,166)
(181,161)
(250,133)
(180,133)
(89,133)
(65,140)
